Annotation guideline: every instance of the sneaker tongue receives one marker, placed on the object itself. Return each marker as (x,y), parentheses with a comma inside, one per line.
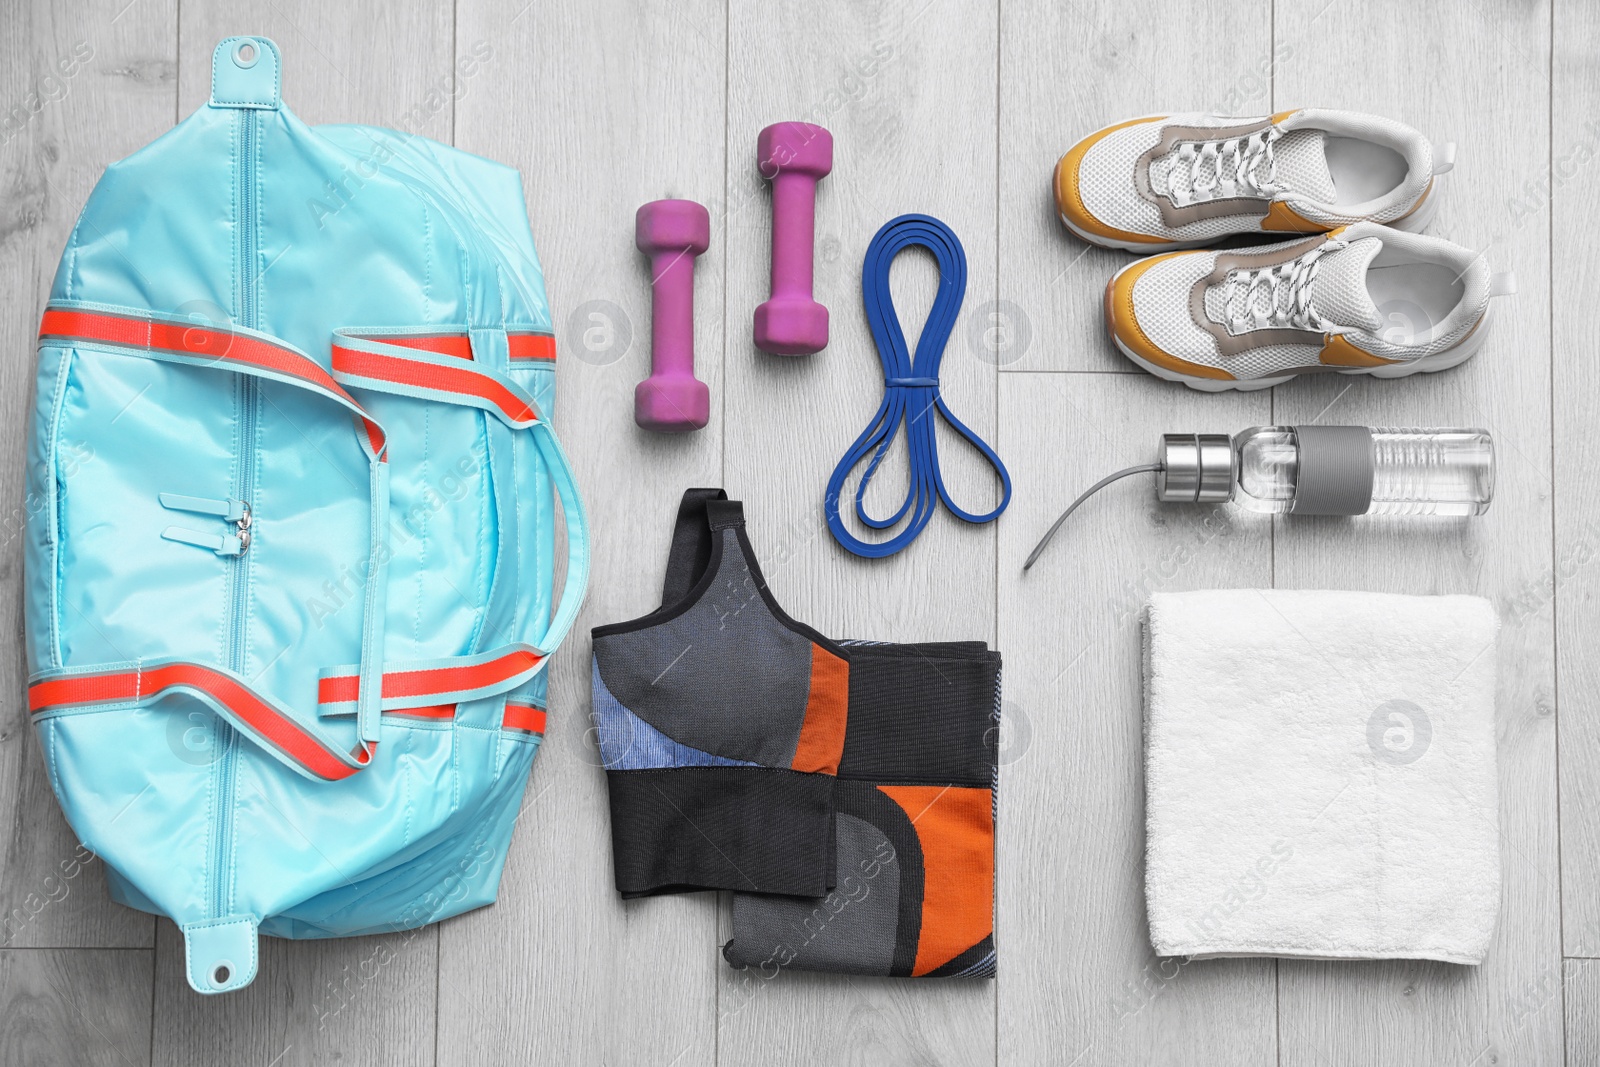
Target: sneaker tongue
(1302,165)
(1339,291)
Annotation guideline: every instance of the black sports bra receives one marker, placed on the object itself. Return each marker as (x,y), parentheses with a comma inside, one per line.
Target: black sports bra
(843,790)
(720,711)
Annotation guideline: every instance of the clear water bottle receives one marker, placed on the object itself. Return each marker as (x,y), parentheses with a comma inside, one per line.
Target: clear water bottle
(1354,470)
(1320,470)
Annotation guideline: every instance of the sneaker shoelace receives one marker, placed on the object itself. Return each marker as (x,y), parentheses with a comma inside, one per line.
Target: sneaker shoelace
(1199,169)
(1276,297)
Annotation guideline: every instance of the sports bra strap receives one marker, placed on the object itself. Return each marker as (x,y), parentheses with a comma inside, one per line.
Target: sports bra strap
(724,514)
(691,544)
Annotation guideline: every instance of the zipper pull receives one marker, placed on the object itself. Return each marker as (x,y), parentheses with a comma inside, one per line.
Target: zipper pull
(221,544)
(227,509)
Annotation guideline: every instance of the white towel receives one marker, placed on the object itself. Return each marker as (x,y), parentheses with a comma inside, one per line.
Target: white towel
(1320,775)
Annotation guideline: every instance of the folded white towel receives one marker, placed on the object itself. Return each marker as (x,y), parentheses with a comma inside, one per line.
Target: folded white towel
(1320,775)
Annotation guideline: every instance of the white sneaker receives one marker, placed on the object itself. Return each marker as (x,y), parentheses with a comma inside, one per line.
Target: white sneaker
(1182,181)
(1363,299)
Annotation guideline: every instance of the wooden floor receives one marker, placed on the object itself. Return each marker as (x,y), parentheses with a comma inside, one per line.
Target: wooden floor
(958,109)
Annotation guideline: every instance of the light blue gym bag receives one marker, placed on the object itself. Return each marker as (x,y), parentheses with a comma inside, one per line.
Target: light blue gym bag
(291,538)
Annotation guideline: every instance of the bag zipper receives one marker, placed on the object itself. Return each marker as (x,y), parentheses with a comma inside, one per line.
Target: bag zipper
(234,512)
(246,397)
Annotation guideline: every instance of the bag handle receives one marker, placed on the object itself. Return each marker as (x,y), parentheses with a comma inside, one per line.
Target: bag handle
(436,363)
(429,688)
(174,339)
(267,722)
(575,583)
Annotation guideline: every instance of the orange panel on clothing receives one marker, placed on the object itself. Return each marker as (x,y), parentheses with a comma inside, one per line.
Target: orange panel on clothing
(827,708)
(955,826)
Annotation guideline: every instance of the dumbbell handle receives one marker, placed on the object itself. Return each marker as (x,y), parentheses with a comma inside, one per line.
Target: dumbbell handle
(672,313)
(794,211)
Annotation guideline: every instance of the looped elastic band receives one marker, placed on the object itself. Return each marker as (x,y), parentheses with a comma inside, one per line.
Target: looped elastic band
(911,391)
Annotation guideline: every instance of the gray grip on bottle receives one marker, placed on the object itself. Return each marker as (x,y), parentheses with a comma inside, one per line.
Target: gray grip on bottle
(1335,470)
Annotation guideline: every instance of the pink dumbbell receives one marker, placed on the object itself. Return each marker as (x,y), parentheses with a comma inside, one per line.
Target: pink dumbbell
(793,155)
(672,233)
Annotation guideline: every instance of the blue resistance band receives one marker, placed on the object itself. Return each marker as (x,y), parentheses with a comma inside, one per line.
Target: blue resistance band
(911,390)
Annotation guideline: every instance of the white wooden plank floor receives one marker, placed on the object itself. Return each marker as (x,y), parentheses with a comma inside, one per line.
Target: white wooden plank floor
(958,109)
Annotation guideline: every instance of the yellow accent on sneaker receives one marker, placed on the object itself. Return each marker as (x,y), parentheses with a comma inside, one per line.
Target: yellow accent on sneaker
(1069,197)
(1281,218)
(1337,352)
(1123,324)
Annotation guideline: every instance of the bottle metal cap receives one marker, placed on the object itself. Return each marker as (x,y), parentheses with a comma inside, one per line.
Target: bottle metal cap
(1196,468)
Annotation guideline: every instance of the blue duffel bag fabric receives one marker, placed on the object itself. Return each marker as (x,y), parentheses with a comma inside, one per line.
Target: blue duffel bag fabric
(292,534)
